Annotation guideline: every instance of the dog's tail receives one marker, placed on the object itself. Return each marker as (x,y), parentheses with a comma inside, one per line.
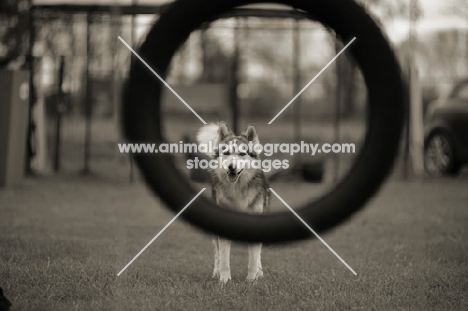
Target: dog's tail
(208,136)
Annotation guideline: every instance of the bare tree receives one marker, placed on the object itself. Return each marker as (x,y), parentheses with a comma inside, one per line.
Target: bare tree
(388,9)
(458,7)
(346,68)
(13,30)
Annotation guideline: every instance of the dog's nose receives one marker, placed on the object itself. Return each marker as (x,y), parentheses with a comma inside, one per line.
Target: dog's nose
(231,167)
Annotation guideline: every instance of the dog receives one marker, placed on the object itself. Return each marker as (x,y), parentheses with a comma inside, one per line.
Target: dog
(235,186)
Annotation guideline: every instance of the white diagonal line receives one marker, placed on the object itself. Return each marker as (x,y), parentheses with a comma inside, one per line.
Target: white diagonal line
(312,81)
(162,80)
(312,230)
(160,232)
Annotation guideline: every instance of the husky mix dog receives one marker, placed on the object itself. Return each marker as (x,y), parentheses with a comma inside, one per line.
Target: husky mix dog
(238,187)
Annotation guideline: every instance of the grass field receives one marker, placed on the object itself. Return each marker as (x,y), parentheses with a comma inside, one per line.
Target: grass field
(65,238)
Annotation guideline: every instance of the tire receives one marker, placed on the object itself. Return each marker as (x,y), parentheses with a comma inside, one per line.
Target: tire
(387,104)
(439,155)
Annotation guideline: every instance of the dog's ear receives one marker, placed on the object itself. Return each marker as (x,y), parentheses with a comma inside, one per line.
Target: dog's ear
(223,131)
(251,133)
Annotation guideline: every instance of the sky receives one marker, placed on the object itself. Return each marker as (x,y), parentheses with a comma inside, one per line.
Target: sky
(435,16)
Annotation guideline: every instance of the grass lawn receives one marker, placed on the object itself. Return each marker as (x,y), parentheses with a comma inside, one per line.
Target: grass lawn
(63,240)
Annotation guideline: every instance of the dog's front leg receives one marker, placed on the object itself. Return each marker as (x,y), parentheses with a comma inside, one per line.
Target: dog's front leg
(255,266)
(224,247)
(216,257)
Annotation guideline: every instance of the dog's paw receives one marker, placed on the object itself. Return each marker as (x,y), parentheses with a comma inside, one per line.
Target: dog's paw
(253,277)
(224,277)
(250,279)
(260,274)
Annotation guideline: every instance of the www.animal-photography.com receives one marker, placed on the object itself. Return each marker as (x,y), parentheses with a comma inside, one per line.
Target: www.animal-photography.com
(233,155)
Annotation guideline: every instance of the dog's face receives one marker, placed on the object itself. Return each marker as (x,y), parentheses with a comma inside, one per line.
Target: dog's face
(236,153)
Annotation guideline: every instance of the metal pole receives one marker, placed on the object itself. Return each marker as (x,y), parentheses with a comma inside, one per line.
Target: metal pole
(60,109)
(407,131)
(297,86)
(132,31)
(88,104)
(233,100)
(339,99)
(415,119)
(133,44)
(32,94)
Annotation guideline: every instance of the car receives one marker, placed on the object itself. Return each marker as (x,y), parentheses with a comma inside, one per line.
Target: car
(446,132)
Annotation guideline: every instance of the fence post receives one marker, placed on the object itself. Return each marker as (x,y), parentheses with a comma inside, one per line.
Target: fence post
(60,110)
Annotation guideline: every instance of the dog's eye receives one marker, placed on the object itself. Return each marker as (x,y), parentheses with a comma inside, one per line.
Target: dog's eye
(252,155)
(242,154)
(226,153)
